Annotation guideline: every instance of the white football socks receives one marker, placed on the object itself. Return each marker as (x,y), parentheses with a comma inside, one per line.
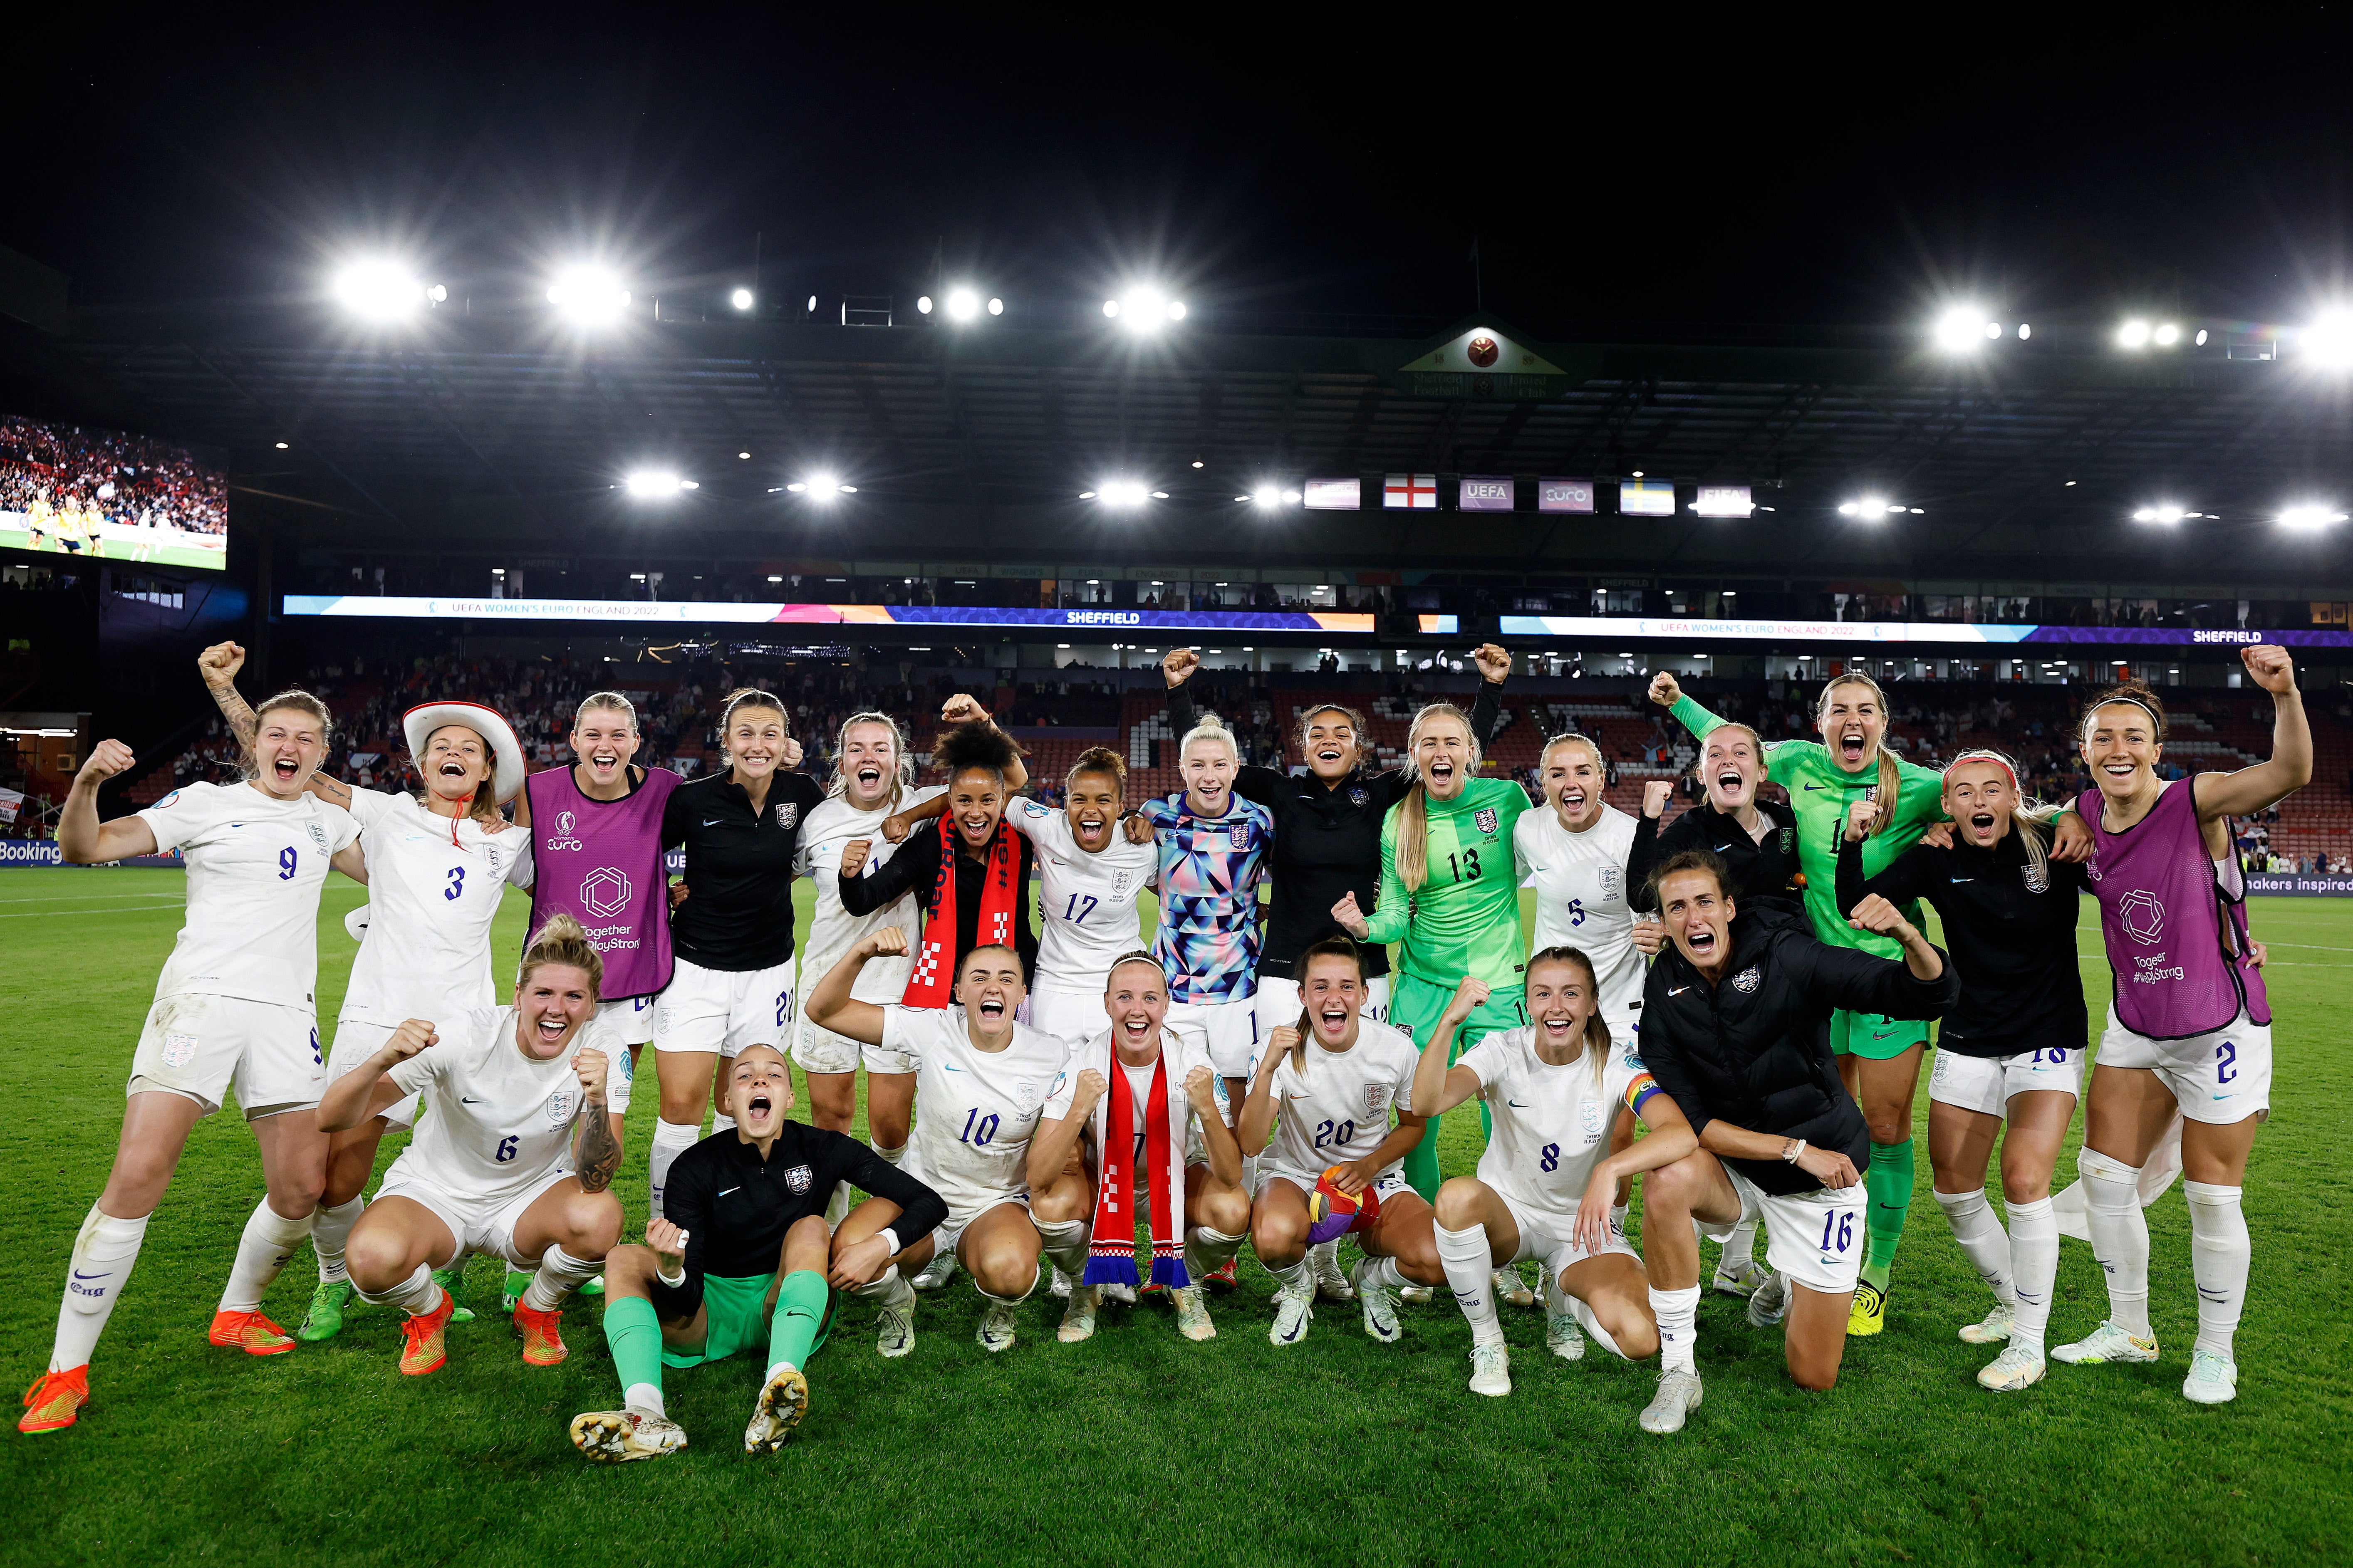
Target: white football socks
(722,1123)
(269,1239)
(1678,1315)
(1739,1247)
(645,1396)
(1981,1239)
(1382,1273)
(1299,1276)
(417,1295)
(892,1156)
(2119,1237)
(836,1207)
(559,1275)
(1470,1273)
(671,1139)
(2034,1266)
(95,1274)
(1206,1252)
(1065,1242)
(2219,1256)
(890,1287)
(331,1228)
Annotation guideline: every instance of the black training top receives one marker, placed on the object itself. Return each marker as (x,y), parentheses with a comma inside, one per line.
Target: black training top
(1327,840)
(1754,1050)
(914,868)
(738,913)
(1762,873)
(735,1206)
(2013,938)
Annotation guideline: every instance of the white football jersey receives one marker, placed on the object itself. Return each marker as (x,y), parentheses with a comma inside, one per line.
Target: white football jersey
(971,1143)
(1551,1123)
(498,1121)
(1580,884)
(1182,1046)
(833,931)
(255,864)
(1088,899)
(433,890)
(1338,1109)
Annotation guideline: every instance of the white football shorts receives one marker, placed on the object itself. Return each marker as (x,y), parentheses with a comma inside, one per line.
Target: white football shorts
(723,1010)
(204,1048)
(1815,1238)
(1232,1028)
(1984,1084)
(2217,1078)
(479,1227)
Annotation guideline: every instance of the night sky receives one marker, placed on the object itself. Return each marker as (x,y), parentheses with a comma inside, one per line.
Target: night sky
(1681,169)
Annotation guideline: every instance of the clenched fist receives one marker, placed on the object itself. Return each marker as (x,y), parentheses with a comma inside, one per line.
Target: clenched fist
(219,663)
(1665,689)
(1352,918)
(853,855)
(1177,664)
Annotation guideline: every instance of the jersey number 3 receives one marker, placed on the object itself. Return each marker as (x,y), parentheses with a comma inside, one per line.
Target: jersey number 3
(456,882)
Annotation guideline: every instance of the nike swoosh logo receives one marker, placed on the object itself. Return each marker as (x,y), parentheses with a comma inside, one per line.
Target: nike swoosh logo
(1678,990)
(1878,1035)
(79,1275)
(1813,786)
(470,1099)
(947,1066)
(1956,881)
(1293,1335)
(713,822)
(1722,847)
(1516,1105)
(724,1192)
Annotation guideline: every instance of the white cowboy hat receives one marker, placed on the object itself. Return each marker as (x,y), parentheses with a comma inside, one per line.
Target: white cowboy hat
(419,722)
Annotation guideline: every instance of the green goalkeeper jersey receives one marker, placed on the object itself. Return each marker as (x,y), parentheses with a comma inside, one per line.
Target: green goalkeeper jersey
(1819,793)
(1465,917)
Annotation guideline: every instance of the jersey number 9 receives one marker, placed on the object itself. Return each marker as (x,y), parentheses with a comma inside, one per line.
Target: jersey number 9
(287,861)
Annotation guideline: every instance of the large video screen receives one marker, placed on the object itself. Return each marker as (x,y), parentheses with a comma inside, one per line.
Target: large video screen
(72,490)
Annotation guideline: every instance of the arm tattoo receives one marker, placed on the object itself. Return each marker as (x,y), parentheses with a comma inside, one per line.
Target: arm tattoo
(600,1152)
(237,710)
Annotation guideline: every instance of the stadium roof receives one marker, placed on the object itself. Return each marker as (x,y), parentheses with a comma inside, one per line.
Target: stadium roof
(495,428)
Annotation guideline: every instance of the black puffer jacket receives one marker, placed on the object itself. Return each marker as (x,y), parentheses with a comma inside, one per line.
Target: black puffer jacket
(1754,1050)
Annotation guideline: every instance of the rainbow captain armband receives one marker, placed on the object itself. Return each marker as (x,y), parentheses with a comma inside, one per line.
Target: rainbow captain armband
(1639,1088)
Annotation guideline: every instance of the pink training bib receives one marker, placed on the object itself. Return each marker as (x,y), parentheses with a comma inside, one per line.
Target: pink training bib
(2162,915)
(600,862)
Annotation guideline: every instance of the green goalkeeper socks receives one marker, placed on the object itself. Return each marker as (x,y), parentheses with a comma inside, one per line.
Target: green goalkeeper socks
(800,1311)
(1888,1184)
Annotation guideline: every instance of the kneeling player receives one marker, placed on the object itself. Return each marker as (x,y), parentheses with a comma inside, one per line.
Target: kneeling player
(742,1256)
(1338,1075)
(1138,1103)
(492,1167)
(981,1078)
(1547,1179)
(1736,1026)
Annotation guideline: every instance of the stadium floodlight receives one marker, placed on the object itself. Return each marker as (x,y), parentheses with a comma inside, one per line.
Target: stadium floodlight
(1121,493)
(1111,309)
(2166,335)
(380,291)
(1869,506)
(2134,334)
(655,483)
(995,306)
(1963,328)
(963,304)
(741,299)
(589,295)
(822,488)
(2164,511)
(2329,339)
(2024,332)
(1266,495)
(1145,309)
(2310,514)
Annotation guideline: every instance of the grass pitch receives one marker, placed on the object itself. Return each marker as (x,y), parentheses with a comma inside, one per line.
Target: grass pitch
(1336,1451)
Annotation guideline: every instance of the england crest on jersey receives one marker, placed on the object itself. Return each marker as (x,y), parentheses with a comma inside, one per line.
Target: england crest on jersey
(1612,876)
(1376,1099)
(2037,879)
(798,1178)
(1359,796)
(1485,818)
(1747,979)
(559,1107)
(1241,837)
(1787,834)
(318,835)
(1119,881)
(789,814)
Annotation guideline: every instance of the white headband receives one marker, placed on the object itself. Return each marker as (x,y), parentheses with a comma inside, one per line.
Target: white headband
(2155,723)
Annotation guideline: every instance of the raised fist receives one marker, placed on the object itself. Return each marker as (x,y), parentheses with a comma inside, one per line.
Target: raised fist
(1665,689)
(1495,664)
(962,709)
(219,663)
(853,855)
(1656,795)
(107,759)
(1177,664)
